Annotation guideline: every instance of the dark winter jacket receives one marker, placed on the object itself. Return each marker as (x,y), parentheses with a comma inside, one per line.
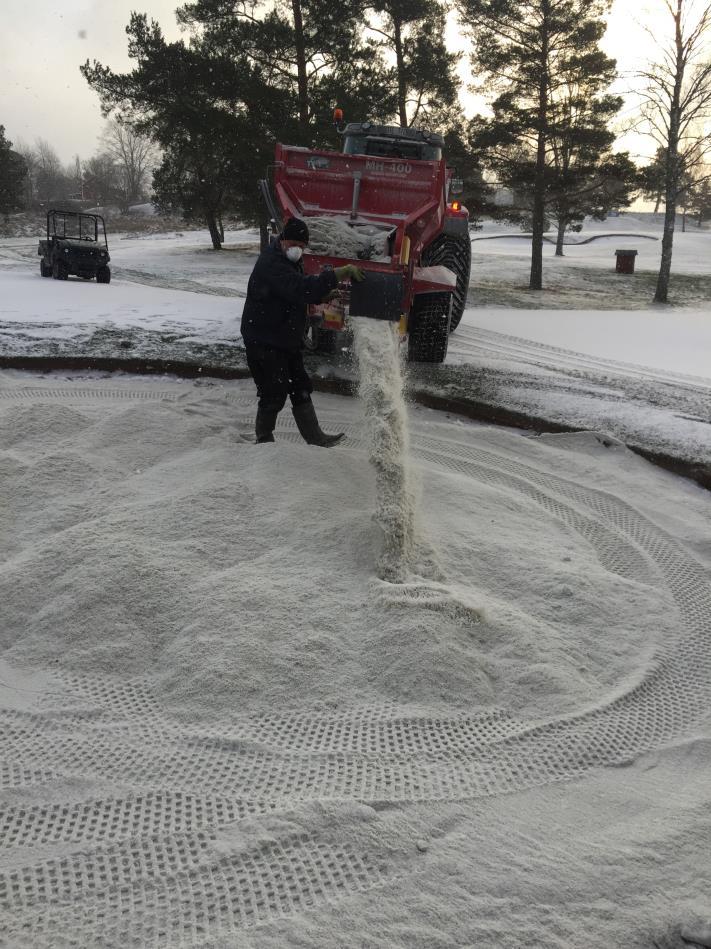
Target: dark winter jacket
(277,296)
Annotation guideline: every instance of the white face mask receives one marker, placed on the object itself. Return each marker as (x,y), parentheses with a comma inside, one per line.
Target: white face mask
(294,254)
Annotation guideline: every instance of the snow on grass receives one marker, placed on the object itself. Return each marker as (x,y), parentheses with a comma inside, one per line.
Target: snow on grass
(677,342)
(591,347)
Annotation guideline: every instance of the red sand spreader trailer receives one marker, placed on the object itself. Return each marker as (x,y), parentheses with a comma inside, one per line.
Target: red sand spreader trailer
(393,182)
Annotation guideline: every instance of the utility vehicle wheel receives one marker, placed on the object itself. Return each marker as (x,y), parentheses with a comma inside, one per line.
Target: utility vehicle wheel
(45,269)
(60,271)
(103,275)
(455,253)
(428,332)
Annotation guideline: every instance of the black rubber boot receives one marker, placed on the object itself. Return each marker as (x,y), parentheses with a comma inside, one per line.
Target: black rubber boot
(264,426)
(310,430)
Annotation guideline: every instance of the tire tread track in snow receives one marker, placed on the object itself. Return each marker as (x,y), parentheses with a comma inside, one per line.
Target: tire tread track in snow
(176,283)
(504,345)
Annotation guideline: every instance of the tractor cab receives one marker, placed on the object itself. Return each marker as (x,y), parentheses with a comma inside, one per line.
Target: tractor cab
(391,141)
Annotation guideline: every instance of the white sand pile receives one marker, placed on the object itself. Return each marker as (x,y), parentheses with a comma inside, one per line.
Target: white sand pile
(232,732)
(337,237)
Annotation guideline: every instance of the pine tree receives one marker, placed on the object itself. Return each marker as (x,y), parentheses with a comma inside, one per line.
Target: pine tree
(652,178)
(460,148)
(13,172)
(699,200)
(423,81)
(590,186)
(205,109)
(538,55)
(244,79)
(584,177)
(311,52)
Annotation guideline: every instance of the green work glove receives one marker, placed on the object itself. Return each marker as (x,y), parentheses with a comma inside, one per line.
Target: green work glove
(349,270)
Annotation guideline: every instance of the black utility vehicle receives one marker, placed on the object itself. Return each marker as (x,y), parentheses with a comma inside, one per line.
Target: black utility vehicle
(75,244)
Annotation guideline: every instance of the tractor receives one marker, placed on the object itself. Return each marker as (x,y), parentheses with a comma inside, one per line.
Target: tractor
(75,244)
(391,189)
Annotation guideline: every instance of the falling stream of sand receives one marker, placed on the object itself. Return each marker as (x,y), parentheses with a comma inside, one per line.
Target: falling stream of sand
(381,390)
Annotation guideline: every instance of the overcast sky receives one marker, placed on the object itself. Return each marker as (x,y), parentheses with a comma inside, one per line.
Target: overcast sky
(43,43)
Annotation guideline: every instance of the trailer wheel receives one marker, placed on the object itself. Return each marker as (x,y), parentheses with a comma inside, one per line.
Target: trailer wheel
(455,253)
(45,269)
(60,271)
(103,275)
(428,329)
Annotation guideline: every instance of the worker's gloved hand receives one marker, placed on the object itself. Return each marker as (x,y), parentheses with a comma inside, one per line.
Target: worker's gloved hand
(349,271)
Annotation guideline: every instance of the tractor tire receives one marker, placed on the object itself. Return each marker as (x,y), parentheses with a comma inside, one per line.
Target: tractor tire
(318,340)
(103,275)
(428,329)
(45,269)
(455,253)
(328,341)
(60,271)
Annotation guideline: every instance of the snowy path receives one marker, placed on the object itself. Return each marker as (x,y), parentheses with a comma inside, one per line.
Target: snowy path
(130,817)
(470,343)
(664,412)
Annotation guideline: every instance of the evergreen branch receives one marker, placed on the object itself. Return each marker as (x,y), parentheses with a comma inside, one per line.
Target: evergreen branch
(388,37)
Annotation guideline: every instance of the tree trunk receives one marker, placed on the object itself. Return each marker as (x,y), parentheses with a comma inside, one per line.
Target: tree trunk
(559,239)
(301,77)
(400,65)
(539,207)
(661,293)
(672,175)
(212,226)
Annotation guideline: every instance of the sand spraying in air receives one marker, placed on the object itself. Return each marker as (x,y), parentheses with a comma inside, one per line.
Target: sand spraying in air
(381,390)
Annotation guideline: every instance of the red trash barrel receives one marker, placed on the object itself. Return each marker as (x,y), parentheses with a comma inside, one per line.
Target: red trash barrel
(625,261)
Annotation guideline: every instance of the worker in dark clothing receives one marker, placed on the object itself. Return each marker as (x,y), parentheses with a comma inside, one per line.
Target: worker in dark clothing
(273,330)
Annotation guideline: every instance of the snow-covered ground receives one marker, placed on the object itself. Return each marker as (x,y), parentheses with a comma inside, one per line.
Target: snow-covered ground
(220,728)
(607,359)
(596,244)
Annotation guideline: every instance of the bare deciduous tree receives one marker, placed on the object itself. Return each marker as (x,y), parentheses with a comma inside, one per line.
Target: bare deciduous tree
(134,155)
(50,181)
(676,106)
(102,180)
(30,158)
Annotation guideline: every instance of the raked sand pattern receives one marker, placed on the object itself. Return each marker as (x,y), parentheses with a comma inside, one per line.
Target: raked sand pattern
(183,760)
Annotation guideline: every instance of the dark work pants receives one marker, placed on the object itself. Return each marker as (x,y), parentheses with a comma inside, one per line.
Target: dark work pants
(278,374)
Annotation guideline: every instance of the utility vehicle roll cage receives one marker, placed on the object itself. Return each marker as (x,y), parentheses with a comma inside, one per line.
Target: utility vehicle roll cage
(76,225)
